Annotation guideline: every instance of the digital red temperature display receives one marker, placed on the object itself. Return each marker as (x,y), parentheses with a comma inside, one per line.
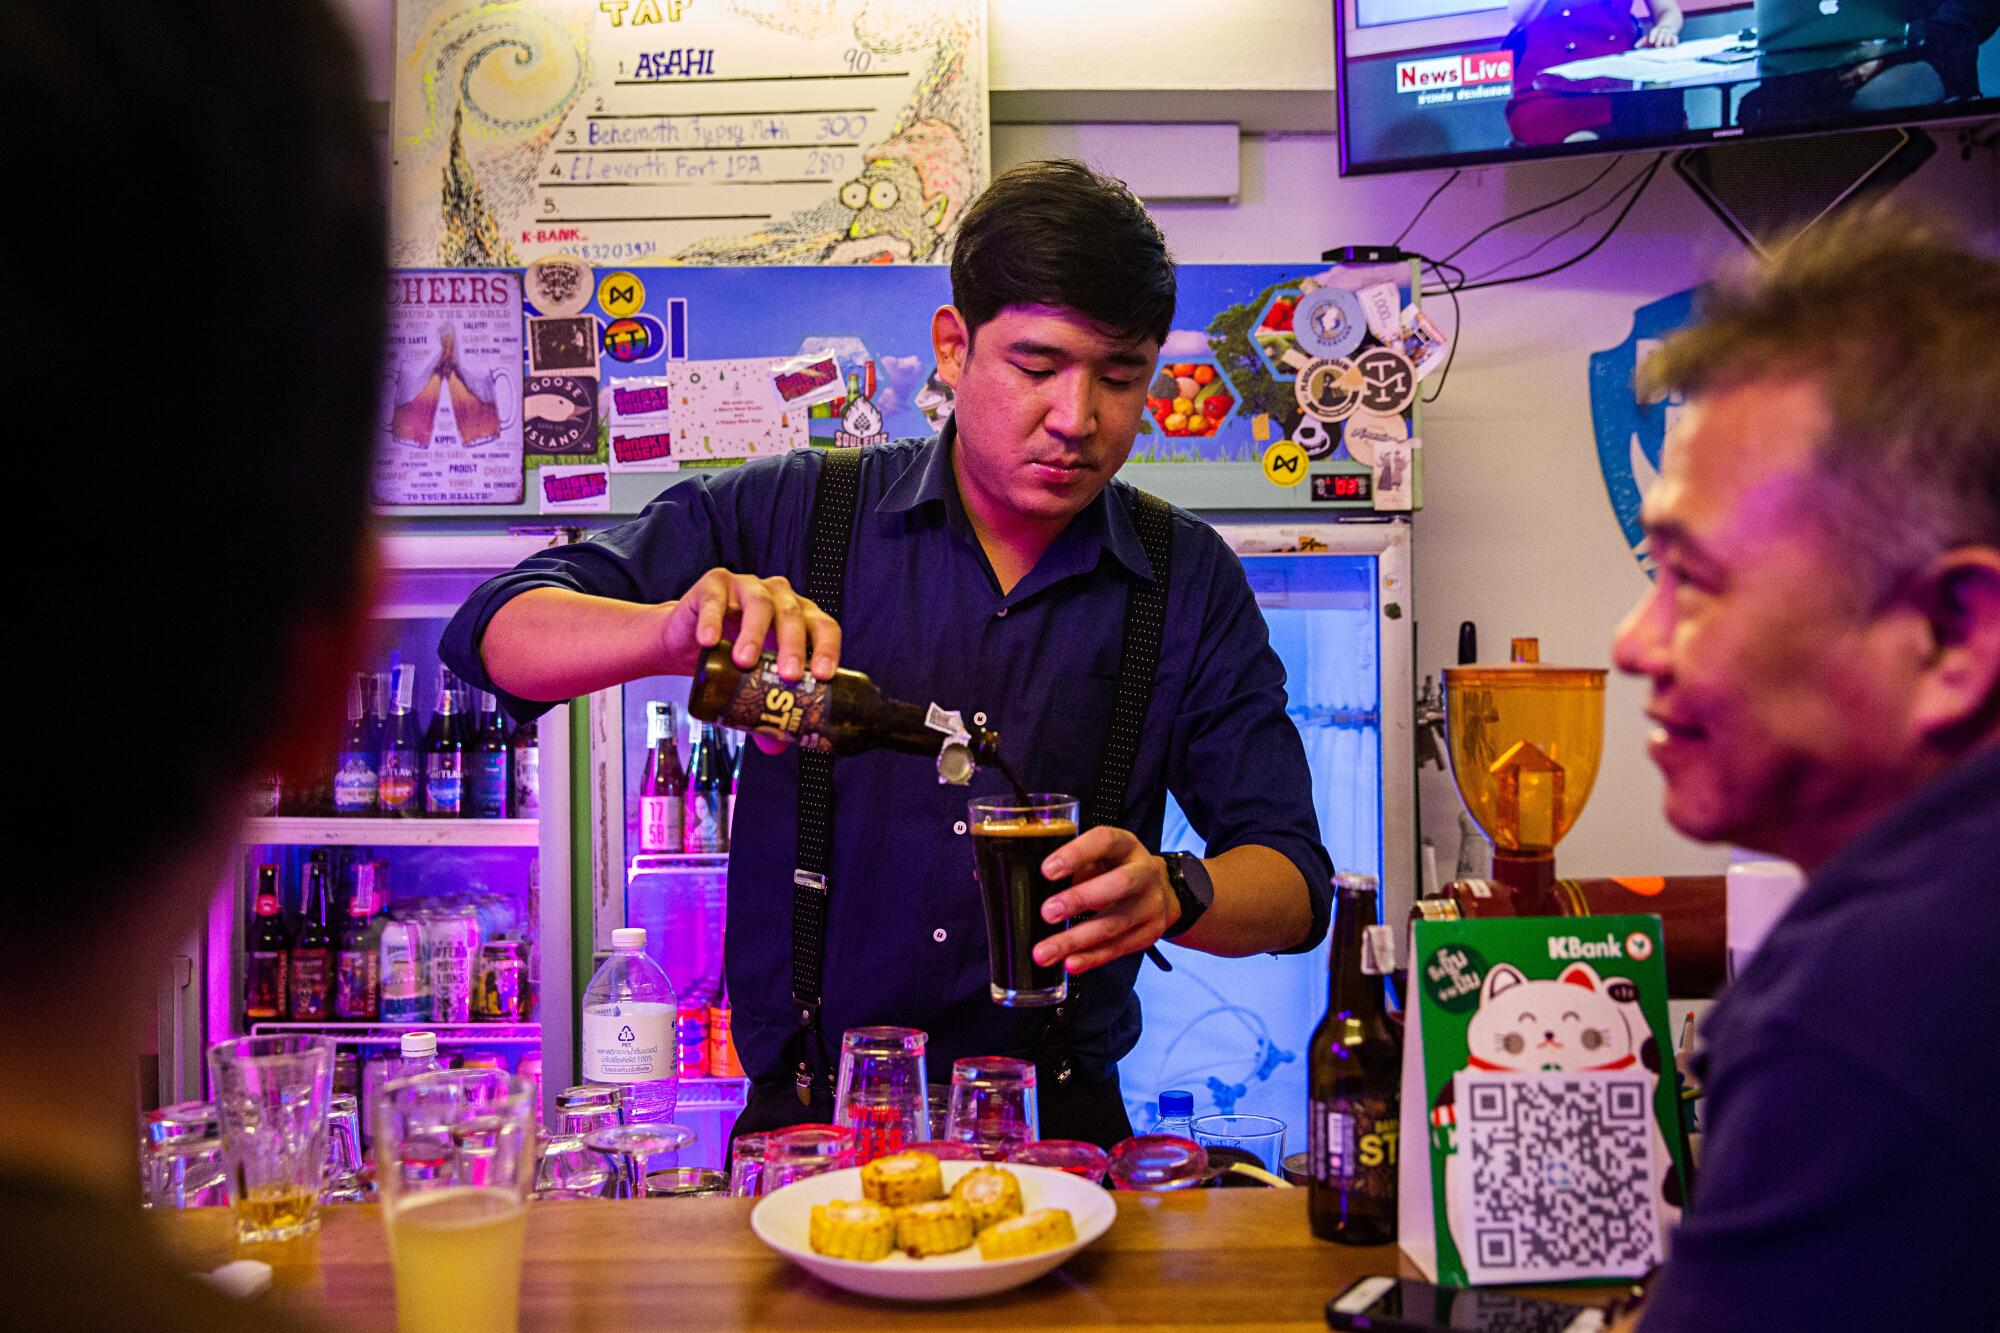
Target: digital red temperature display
(1355,486)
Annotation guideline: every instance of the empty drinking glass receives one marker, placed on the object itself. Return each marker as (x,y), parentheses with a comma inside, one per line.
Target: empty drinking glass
(805,1150)
(344,1182)
(636,1151)
(568,1169)
(1158,1162)
(271,1097)
(686,1182)
(1262,1136)
(587,1108)
(882,1092)
(746,1165)
(174,1123)
(1072,1155)
(993,1105)
(187,1173)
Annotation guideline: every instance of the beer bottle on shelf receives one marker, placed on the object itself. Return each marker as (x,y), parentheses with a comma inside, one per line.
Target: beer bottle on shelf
(735,782)
(846,715)
(1354,1071)
(527,771)
(707,794)
(663,787)
(357,983)
(444,754)
(311,972)
(400,790)
(491,779)
(266,959)
(356,776)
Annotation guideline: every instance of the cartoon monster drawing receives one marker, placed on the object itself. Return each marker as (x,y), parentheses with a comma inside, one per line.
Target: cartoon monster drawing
(1579,1021)
(908,197)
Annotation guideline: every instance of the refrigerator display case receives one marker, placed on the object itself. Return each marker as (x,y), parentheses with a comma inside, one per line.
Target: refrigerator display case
(514,874)
(1234,1031)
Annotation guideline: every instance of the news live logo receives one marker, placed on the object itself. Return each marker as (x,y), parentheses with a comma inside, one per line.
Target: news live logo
(1423,76)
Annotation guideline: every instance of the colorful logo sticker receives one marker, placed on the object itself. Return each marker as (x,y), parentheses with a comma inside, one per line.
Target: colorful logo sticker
(621,294)
(1328,322)
(1313,437)
(634,338)
(559,414)
(1367,432)
(1284,464)
(1389,381)
(1330,389)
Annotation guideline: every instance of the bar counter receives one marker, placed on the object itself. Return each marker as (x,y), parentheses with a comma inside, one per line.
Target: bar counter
(1234,1258)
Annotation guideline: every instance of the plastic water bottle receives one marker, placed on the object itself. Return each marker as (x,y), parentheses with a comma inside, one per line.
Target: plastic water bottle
(1176,1113)
(417,1055)
(420,1054)
(628,1029)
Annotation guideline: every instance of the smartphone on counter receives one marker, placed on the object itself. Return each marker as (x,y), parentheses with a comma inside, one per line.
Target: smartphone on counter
(1402,1305)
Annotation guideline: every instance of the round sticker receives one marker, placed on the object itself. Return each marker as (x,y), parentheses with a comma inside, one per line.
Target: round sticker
(1328,321)
(1640,945)
(1365,432)
(557,285)
(621,294)
(1329,389)
(1389,381)
(1284,464)
(638,338)
(1313,437)
(1453,976)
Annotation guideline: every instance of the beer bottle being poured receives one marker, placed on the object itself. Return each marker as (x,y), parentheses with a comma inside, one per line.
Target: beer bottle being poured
(1353,1068)
(845,715)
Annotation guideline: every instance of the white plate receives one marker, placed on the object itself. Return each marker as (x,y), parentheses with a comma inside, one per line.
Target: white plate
(782,1221)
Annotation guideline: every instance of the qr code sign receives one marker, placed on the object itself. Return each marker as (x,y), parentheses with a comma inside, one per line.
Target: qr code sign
(1558,1175)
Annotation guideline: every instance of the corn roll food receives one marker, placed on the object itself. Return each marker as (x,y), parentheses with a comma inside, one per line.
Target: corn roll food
(852,1229)
(938,1226)
(1030,1233)
(905,1177)
(990,1194)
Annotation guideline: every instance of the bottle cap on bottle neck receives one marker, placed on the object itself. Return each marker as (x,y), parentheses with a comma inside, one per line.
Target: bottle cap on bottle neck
(627,939)
(1176,1103)
(419,1045)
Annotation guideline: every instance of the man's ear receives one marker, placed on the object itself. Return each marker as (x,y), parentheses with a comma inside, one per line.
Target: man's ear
(1957,702)
(951,339)
(323,649)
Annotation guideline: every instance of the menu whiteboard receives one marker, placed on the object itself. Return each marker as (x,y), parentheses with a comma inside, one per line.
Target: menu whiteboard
(685,131)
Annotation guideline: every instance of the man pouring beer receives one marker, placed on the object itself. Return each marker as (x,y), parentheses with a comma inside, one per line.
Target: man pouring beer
(999,571)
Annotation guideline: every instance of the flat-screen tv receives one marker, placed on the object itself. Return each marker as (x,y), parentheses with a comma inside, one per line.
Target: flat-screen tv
(1433,83)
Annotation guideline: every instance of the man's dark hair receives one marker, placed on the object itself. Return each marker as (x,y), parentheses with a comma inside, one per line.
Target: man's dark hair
(203,311)
(1057,233)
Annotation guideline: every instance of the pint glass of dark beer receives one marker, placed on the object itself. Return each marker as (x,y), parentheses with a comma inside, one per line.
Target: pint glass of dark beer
(1011,837)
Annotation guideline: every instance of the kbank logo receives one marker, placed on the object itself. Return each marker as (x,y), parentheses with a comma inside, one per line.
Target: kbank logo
(1631,433)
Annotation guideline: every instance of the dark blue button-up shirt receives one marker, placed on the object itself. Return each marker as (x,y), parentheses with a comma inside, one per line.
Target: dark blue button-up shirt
(925,617)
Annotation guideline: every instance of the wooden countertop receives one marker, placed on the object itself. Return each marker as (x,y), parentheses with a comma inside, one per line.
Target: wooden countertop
(1235,1258)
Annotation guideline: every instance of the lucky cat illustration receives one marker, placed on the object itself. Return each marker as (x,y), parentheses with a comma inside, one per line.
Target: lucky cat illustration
(1579,1021)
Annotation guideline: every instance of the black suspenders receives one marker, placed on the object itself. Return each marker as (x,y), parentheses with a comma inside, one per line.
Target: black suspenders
(828,539)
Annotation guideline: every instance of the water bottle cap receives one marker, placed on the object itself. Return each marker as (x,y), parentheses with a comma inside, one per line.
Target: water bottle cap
(1176,1103)
(417,1045)
(629,937)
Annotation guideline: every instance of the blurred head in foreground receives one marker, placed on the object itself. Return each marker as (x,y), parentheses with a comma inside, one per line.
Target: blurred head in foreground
(1823,634)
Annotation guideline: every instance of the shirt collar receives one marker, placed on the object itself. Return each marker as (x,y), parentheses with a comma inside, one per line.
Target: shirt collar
(1104,524)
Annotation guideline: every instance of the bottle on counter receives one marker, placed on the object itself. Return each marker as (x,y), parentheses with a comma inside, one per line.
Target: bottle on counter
(629,1038)
(356,775)
(490,768)
(663,787)
(707,798)
(846,715)
(311,968)
(1354,1072)
(1176,1113)
(527,758)
(266,963)
(444,753)
(399,790)
(357,982)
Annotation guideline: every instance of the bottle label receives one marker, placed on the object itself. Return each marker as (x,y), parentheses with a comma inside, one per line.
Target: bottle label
(704,822)
(309,985)
(1352,1144)
(356,783)
(528,782)
(264,983)
(659,824)
(398,784)
(799,714)
(489,785)
(356,988)
(635,1045)
(444,784)
(406,992)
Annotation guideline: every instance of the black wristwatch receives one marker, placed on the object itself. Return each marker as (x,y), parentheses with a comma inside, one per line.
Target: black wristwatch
(1192,887)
